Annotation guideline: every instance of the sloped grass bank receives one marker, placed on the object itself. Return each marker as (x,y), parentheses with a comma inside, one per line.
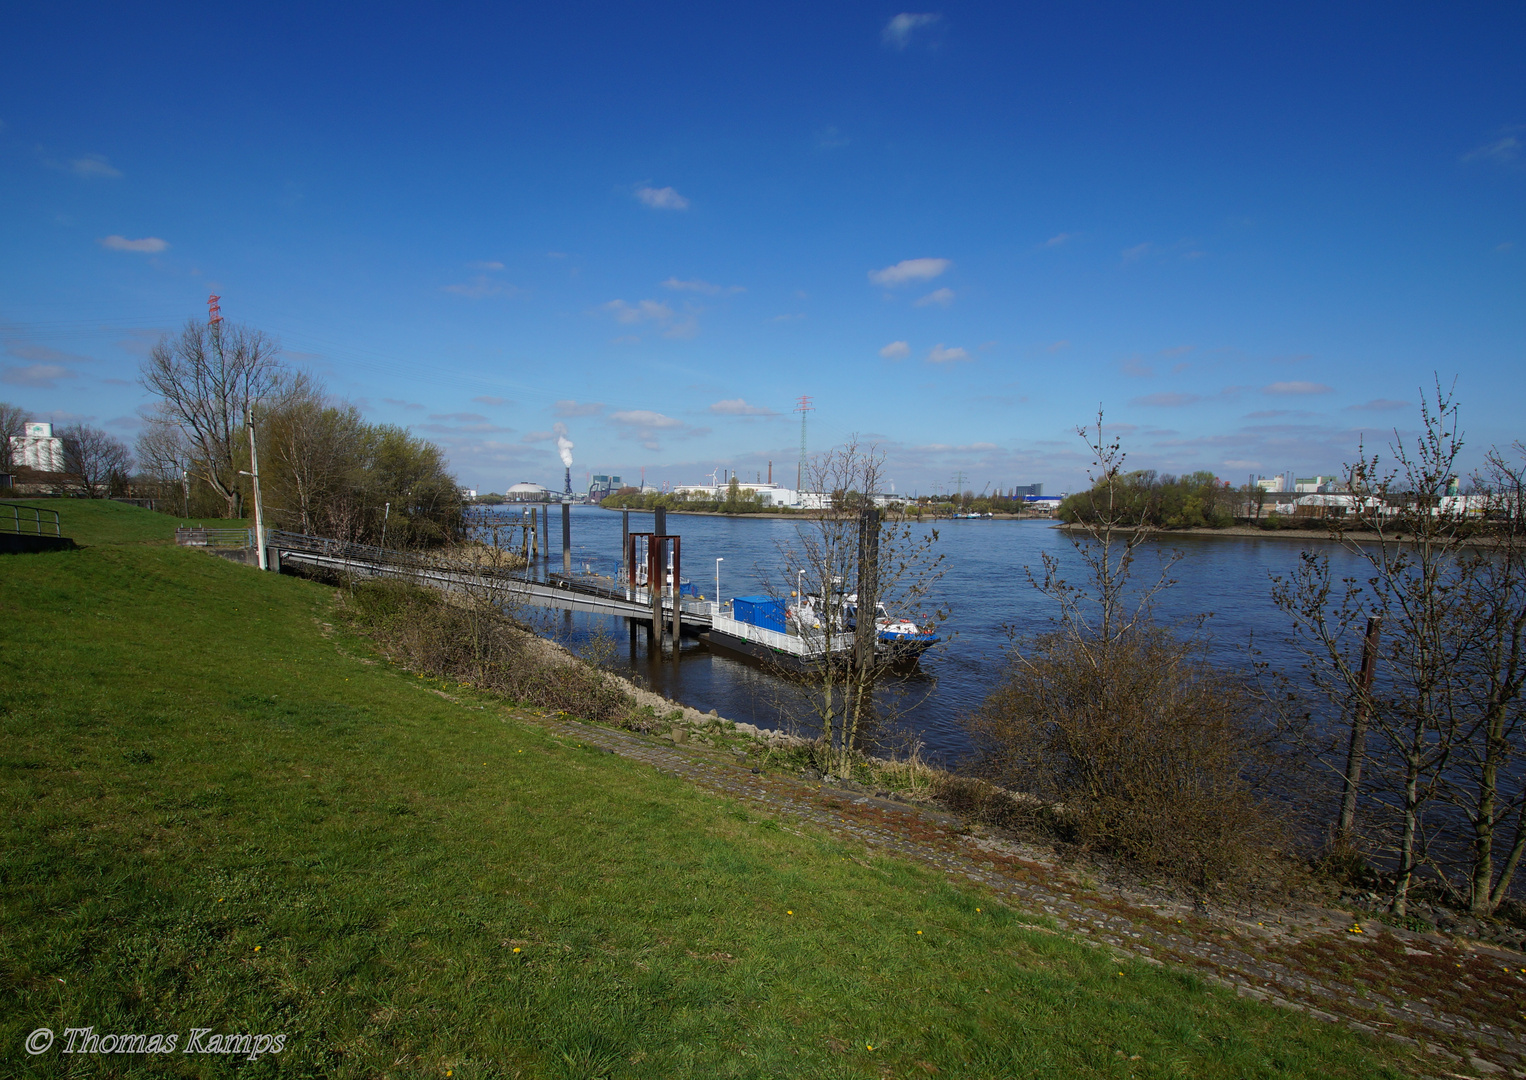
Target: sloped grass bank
(221,812)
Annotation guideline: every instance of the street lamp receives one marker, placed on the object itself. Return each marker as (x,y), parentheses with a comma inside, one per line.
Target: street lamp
(718,582)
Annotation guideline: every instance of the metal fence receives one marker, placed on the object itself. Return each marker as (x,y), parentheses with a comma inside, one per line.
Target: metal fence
(198,536)
(28,520)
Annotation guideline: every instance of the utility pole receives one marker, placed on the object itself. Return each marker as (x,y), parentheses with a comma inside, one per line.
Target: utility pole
(254,476)
(802,407)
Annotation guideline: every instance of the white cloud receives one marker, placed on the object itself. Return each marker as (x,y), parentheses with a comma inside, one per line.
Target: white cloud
(641,311)
(1296,387)
(644,418)
(1057,346)
(488,399)
(42,376)
(485,265)
(94,165)
(699,286)
(481,286)
(1133,254)
(909,270)
(401,404)
(1059,239)
(1506,151)
(941,354)
(739,407)
(150,245)
(898,31)
(1166,400)
(569,409)
(654,311)
(1378,405)
(941,297)
(662,198)
(896,350)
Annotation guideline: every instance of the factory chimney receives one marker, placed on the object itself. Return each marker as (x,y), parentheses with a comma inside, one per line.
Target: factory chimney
(568,489)
(770,472)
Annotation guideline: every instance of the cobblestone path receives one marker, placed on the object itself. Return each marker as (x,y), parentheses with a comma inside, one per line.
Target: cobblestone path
(1466,1005)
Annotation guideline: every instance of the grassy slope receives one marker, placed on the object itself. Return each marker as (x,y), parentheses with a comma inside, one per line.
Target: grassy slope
(218,813)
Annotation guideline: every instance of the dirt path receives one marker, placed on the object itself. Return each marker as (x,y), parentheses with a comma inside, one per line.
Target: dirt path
(1461,1002)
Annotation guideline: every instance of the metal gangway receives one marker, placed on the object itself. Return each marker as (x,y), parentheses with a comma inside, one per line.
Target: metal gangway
(561,591)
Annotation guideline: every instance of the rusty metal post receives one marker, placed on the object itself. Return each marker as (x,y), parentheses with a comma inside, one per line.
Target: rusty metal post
(654,584)
(677,597)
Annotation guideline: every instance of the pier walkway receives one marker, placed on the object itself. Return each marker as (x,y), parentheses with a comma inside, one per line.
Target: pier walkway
(564,592)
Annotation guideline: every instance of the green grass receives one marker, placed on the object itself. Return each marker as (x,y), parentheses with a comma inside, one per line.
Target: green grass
(221,813)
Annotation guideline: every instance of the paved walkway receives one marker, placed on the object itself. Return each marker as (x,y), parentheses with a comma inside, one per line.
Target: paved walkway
(1464,1004)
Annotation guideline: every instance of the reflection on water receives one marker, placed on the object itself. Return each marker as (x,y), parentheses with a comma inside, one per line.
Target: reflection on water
(986,589)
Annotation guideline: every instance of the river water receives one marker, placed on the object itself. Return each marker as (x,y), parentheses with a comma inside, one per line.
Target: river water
(986,588)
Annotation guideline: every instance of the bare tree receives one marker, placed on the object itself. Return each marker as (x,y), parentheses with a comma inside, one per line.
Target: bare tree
(94,459)
(12,424)
(1124,729)
(842,565)
(1446,574)
(207,379)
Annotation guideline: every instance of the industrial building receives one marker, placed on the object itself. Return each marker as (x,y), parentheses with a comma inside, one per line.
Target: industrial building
(602,487)
(38,448)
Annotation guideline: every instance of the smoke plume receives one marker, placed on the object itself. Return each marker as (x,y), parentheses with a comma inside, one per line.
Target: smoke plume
(563,444)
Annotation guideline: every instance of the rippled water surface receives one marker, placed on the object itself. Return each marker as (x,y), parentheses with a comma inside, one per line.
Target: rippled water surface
(986,587)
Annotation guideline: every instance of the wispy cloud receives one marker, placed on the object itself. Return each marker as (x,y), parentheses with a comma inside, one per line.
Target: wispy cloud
(1137,368)
(40,376)
(488,399)
(909,270)
(662,198)
(1057,346)
(481,286)
(899,30)
(1166,400)
(896,350)
(1503,151)
(654,311)
(791,317)
(644,418)
(401,404)
(1135,253)
(1059,239)
(568,409)
(646,427)
(149,245)
(943,354)
(460,417)
(941,297)
(696,285)
(94,166)
(739,407)
(1378,405)
(485,265)
(1295,387)
(641,311)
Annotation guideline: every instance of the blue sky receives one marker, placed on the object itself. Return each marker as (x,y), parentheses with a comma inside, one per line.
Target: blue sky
(1248,232)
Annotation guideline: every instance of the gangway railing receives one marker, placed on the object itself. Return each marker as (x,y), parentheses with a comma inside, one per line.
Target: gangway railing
(19,521)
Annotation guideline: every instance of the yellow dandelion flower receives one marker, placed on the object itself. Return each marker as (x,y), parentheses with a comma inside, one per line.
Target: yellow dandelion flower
(789,913)
(516,948)
(868,1047)
(256,948)
(919,931)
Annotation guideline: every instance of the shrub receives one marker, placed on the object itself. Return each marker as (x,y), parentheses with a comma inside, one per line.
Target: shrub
(465,639)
